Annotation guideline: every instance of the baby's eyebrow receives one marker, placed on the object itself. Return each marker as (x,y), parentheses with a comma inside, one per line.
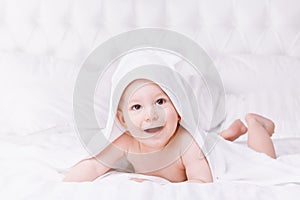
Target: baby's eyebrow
(162,94)
(133,101)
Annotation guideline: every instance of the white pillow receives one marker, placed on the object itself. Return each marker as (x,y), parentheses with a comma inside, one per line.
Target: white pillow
(36,92)
(246,74)
(268,85)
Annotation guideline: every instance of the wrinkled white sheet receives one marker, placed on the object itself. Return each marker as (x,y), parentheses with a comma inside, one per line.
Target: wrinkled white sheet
(32,167)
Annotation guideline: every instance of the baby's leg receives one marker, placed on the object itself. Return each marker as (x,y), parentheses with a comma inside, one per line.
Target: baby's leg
(259,131)
(266,123)
(235,130)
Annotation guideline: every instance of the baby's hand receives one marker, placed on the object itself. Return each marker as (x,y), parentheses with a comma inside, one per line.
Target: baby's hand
(139,179)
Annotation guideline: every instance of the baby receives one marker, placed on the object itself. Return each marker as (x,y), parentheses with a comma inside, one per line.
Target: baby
(152,126)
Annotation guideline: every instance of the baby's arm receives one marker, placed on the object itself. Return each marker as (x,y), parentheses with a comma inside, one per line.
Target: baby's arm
(91,168)
(196,165)
(86,170)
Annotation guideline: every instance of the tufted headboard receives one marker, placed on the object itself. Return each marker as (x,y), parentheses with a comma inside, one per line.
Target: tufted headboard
(72,28)
(235,33)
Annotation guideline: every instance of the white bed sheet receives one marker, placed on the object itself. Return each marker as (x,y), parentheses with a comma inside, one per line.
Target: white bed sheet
(33,166)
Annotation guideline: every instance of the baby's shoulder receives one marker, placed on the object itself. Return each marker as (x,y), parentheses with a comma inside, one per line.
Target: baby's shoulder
(184,138)
(124,141)
(189,146)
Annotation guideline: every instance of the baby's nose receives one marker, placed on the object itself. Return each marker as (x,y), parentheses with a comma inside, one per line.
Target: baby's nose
(152,113)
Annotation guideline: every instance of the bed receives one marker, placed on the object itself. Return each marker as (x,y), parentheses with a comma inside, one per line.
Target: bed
(255,46)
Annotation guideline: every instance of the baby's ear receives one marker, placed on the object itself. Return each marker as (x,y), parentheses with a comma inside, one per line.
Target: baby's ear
(120,117)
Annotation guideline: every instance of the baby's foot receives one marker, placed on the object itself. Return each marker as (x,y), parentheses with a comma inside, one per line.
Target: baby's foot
(265,122)
(235,130)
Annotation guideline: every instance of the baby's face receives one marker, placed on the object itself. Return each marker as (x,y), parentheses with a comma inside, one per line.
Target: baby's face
(148,113)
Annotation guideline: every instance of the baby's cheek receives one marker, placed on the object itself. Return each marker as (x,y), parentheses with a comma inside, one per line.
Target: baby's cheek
(134,121)
(172,114)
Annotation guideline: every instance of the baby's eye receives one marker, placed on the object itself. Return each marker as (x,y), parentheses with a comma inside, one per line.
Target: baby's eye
(160,101)
(136,107)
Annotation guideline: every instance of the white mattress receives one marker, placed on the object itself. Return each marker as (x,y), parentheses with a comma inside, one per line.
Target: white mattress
(33,165)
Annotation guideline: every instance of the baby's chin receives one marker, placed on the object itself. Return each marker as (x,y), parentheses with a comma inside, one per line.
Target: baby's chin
(155,142)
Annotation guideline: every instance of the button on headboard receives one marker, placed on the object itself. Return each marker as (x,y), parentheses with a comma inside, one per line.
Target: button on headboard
(72,28)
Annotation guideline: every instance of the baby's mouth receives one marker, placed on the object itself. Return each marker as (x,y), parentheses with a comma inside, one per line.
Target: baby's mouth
(154,130)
